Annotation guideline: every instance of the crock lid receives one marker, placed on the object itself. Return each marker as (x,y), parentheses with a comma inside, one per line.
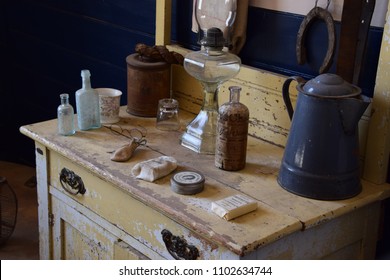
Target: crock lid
(329,85)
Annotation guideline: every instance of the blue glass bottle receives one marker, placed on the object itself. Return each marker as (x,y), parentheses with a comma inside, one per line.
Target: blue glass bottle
(87,104)
(65,116)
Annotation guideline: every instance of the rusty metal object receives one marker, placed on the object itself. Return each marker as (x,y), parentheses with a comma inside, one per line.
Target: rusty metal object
(317,13)
(178,247)
(159,53)
(71,182)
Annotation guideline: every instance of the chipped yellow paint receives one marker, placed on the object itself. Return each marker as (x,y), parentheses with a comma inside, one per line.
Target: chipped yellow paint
(378,142)
(145,224)
(77,237)
(261,92)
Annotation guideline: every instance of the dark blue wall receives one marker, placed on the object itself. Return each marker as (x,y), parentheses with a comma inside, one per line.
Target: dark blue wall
(44,44)
(271,40)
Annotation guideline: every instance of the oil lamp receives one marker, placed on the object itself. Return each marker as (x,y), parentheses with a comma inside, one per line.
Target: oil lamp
(212,66)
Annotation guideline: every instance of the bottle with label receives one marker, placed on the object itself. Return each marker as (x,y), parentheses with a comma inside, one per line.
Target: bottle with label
(65,116)
(87,104)
(232,133)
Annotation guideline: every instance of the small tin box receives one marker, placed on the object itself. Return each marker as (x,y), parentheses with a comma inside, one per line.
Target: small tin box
(187,182)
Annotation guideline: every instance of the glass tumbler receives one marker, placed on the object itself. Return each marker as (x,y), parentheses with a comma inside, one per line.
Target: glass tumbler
(168,114)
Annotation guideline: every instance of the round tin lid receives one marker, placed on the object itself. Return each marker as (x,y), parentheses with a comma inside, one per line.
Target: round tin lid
(329,85)
(187,182)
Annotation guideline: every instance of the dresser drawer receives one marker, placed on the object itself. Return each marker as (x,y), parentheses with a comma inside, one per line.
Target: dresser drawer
(150,227)
(78,233)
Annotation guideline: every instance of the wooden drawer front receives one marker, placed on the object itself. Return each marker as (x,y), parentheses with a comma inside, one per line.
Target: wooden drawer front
(130,215)
(76,236)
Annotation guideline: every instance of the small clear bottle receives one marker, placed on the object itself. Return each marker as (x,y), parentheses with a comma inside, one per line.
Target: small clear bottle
(232,133)
(65,116)
(87,104)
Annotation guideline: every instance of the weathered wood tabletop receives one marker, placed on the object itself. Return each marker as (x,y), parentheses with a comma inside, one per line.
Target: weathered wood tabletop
(279,212)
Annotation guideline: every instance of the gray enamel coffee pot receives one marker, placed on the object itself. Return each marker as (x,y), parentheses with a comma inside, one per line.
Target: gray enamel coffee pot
(321,158)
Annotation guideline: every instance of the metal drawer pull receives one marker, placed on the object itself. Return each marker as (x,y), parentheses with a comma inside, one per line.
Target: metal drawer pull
(71,182)
(178,247)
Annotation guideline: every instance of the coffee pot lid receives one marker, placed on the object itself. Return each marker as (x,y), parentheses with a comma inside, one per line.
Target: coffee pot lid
(329,85)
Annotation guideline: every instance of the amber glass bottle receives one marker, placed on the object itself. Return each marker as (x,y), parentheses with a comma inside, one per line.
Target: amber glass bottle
(232,133)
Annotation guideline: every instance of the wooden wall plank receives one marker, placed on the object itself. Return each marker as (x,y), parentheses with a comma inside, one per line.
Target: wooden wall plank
(163,22)
(378,143)
(261,93)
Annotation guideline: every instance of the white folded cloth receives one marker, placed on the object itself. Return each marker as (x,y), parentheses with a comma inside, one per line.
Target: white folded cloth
(154,169)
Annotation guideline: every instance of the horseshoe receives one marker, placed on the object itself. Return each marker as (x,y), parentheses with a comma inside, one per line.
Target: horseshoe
(317,13)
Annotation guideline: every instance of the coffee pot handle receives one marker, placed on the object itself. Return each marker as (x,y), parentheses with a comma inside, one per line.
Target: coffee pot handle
(286,93)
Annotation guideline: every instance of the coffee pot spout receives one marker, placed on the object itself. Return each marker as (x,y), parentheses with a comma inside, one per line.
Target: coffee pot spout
(351,110)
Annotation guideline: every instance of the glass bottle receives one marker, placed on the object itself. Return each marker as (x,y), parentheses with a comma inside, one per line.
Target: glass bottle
(232,127)
(65,116)
(87,104)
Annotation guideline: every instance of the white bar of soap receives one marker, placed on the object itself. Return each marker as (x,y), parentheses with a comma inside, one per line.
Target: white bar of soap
(233,206)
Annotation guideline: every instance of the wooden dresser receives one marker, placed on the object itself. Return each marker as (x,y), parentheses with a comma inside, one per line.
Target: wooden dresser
(118,216)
